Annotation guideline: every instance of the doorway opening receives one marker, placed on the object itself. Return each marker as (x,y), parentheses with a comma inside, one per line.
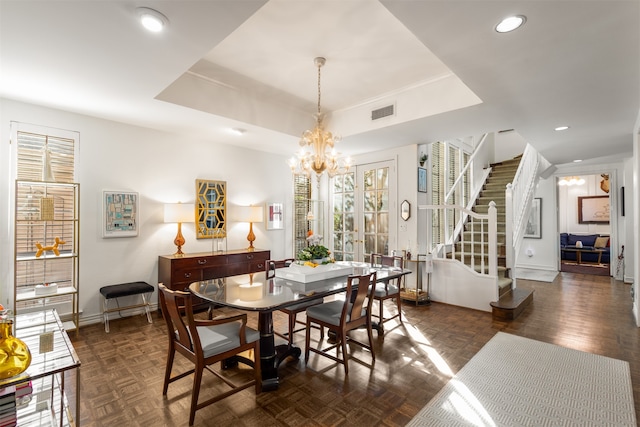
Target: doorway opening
(584,224)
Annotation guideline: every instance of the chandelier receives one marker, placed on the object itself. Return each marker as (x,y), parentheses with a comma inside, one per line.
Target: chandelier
(317,146)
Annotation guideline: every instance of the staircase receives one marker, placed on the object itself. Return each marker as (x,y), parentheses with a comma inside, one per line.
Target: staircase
(512,301)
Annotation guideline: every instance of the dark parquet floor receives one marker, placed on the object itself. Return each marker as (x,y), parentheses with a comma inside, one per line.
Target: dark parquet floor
(122,372)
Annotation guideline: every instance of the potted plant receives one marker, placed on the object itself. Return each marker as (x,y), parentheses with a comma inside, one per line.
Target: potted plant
(315,252)
(423,159)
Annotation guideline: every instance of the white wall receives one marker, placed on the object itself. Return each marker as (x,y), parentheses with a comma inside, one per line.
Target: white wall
(162,168)
(627,228)
(508,145)
(542,254)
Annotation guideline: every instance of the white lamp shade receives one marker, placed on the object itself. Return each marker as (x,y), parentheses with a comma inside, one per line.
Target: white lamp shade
(179,212)
(249,214)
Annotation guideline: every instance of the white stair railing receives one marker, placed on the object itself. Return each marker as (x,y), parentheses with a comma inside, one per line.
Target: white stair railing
(518,198)
(482,251)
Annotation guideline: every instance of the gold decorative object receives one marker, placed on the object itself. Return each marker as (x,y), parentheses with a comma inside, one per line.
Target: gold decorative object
(15,356)
(178,212)
(250,214)
(46,208)
(211,209)
(320,154)
(53,248)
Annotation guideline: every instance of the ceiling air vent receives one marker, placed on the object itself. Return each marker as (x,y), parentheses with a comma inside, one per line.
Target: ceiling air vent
(382,112)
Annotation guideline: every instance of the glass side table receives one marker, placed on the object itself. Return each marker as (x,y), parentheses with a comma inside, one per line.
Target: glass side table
(52,356)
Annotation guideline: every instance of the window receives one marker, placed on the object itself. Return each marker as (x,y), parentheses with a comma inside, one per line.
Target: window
(38,152)
(301,206)
(448,161)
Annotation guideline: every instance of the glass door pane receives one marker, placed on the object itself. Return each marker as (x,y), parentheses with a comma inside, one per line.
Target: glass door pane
(344,230)
(363,220)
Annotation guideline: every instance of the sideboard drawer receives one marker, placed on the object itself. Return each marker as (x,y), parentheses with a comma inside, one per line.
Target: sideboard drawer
(199,262)
(247,257)
(256,266)
(185,276)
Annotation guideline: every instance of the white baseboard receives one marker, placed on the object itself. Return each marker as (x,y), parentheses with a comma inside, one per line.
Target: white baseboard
(97,318)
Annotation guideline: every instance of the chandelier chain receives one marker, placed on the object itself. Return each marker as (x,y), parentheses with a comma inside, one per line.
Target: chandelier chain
(319,92)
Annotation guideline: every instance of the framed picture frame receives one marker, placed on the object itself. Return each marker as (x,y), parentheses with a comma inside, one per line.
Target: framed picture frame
(533,229)
(594,210)
(422,180)
(275,216)
(120,212)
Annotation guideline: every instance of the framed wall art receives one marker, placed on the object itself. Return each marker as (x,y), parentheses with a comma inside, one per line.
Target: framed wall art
(211,209)
(593,210)
(120,211)
(533,229)
(275,216)
(422,180)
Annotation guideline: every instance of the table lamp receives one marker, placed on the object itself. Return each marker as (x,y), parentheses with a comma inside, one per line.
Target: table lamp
(250,214)
(179,212)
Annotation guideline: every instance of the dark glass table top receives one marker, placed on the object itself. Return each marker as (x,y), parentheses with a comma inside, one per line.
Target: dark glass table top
(254,292)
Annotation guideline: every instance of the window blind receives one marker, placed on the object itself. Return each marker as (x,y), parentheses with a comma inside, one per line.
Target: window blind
(301,196)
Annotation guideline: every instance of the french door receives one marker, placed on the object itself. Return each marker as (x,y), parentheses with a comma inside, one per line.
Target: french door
(364,213)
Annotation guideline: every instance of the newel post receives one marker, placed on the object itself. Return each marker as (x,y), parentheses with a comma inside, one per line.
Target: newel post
(508,219)
(493,239)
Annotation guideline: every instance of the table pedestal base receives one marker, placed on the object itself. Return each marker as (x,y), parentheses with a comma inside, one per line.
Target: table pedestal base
(271,356)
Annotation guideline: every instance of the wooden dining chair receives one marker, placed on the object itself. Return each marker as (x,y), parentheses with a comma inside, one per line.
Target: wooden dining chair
(341,317)
(388,289)
(205,342)
(293,310)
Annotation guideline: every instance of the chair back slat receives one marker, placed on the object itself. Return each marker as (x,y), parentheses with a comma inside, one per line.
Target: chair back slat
(359,297)
(173,304)
(379,260)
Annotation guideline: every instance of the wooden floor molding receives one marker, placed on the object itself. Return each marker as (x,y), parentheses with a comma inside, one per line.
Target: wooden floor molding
(122,372)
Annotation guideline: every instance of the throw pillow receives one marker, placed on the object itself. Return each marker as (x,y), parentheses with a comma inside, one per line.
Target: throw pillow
(601,242)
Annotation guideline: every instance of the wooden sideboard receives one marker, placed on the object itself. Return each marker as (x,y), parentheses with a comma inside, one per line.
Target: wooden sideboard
(178,273)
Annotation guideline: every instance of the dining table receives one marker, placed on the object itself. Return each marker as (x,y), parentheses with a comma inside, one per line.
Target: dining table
(255,292)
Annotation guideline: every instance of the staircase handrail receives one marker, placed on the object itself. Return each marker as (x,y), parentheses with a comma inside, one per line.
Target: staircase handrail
(518,199)
(488,220)
(459,225)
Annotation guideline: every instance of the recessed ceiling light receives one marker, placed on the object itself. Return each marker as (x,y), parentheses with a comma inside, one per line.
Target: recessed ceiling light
(238,131)
(510,23)
(151,19)
(559,128)
(577,161)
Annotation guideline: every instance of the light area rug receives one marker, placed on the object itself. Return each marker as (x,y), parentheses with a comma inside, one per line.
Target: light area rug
(537,275)
(516,381)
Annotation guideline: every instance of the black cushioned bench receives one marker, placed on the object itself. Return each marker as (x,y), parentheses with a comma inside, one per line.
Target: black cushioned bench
(124,290)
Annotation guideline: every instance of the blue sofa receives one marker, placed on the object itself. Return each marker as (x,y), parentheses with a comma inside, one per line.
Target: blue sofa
(589,243)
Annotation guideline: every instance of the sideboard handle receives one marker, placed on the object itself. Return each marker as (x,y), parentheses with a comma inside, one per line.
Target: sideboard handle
(261,266)
(249,256)
(187,275)
(202,261)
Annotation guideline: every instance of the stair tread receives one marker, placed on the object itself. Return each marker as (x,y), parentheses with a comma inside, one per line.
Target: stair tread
(513,299)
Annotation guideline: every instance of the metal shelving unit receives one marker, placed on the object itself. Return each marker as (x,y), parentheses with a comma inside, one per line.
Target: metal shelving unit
(46,247)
